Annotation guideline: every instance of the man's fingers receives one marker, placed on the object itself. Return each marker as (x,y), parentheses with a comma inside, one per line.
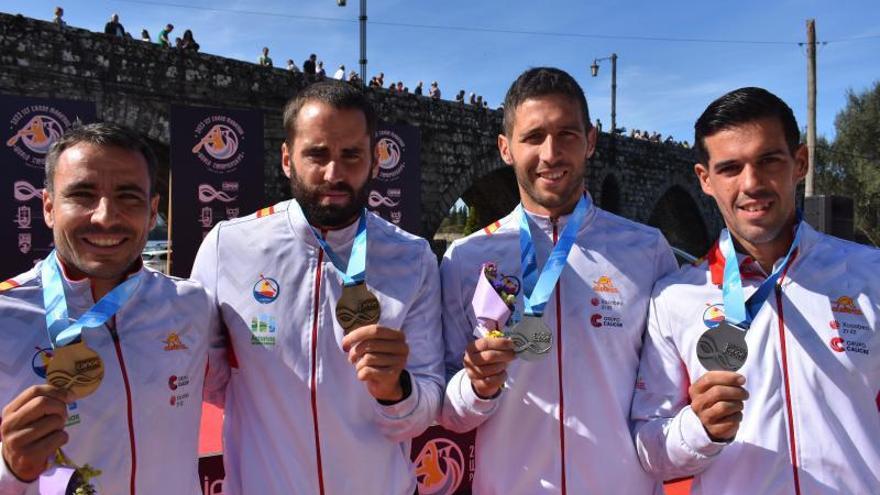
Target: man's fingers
(713,378)
(488,386)
(60,394)
(37,407)
(486,370)
(32,432)
(371,332)
(719,393)
(381,361)
(719,411)
(489,357)
(490,343)
(392,347)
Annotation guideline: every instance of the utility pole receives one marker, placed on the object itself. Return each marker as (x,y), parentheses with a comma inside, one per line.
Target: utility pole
(363,29)
(811,105)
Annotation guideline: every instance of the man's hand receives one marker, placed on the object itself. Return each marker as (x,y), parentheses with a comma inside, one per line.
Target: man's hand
(717,399)
(33,429)
(379,356)
(485,362)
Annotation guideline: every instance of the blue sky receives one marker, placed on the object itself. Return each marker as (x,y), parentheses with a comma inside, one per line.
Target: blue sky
(662,85)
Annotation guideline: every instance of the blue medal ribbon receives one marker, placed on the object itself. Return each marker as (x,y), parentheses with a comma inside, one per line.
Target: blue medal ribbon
(737,310)
(355,273)
(58,323)
(538,288)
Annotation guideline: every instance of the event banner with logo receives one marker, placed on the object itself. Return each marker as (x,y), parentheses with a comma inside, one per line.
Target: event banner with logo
(395,194)
(29,127)
(444,461)
(216,174)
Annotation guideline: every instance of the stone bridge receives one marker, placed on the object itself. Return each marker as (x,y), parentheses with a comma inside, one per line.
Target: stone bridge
(135,83)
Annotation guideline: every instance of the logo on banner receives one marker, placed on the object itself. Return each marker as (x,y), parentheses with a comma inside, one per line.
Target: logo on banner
(25,191)
(391,148)
(218,143)
(23,217)
(24,242)
(376,199)
(206,219)
(34,129)
(207,194)
(439,467)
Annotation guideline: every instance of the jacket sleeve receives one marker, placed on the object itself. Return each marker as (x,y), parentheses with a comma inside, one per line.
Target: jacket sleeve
(413,415)
(670,439)
(204,271)
(462,409)
(9,484)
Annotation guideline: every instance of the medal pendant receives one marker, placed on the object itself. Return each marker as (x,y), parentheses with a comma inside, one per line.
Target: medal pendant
(723,347)
(531,338)
(77,368)
(357,307)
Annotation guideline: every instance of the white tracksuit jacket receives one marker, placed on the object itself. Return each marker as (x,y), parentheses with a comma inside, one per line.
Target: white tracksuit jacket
(597,315)
(811,424)
(297,419)
(141,426)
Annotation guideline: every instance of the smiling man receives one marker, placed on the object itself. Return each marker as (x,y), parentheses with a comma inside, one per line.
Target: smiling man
(551,398)
(761,372)
(123,348)
(333,318)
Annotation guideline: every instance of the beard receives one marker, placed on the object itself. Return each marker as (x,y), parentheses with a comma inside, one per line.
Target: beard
(330,216)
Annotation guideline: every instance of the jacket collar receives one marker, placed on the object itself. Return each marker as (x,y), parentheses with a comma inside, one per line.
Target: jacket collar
(546,224)
(338,239)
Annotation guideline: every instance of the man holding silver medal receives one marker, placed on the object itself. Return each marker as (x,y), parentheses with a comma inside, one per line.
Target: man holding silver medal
(546,371)
(333,319)
(111,339)
(761,372)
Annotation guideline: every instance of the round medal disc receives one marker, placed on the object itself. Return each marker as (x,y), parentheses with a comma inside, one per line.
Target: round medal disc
(75,367)
(531,338)
(357,307)
(723,348)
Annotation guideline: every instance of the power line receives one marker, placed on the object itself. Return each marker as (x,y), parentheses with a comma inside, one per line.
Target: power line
(479,29)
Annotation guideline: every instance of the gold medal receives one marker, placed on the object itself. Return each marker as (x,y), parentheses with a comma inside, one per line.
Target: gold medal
(77,368)
(357,307)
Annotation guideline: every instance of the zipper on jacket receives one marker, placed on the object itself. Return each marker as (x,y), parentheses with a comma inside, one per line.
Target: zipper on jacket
(115,336)
(559,365)
(313,385)
(792,444)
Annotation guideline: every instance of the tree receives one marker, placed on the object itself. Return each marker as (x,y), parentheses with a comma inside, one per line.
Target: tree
(856,158)
(470,225)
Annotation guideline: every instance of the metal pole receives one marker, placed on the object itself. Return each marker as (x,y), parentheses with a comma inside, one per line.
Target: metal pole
(613,93)
(363,23)
(811,105)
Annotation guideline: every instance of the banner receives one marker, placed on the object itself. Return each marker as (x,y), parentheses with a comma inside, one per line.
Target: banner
(29,127)
(216,174)
(396,194)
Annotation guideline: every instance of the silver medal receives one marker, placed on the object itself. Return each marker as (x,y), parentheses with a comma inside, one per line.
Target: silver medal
(531,338)
(723,347)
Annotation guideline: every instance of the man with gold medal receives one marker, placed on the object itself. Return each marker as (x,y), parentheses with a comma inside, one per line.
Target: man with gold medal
(333,318)
(121,350)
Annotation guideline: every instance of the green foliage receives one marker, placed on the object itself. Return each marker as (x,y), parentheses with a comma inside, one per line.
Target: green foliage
(470,225)
(851,165)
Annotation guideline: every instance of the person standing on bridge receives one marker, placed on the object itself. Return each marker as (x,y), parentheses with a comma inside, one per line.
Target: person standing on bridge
(761,367)
(336,349)
(547,376)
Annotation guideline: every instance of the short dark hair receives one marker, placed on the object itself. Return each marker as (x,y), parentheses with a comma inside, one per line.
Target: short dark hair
(101,134)
(339,95)
(542,81)
(741,106)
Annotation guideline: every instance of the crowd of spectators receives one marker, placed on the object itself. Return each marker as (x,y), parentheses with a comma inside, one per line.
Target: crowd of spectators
(656,137)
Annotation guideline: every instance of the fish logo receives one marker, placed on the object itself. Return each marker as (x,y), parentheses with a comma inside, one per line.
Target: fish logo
(221,142)
(713,315)
(207,193)
(38,134)
(23,191)
(266,290)
(439,467)
(376,200)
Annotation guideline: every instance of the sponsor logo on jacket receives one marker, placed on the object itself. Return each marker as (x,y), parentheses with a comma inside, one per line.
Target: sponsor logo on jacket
(605,284)
(845,304)
(263,328)
(713,315)
(266,290)
(173,343)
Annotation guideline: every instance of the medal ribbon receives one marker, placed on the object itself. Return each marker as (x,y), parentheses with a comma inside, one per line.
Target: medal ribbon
(736,309)
(357,261)
(61,332)
(537,293)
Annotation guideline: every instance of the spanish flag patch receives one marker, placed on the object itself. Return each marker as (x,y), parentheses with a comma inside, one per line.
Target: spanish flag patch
(265,212)
(8,284)
(491,228)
